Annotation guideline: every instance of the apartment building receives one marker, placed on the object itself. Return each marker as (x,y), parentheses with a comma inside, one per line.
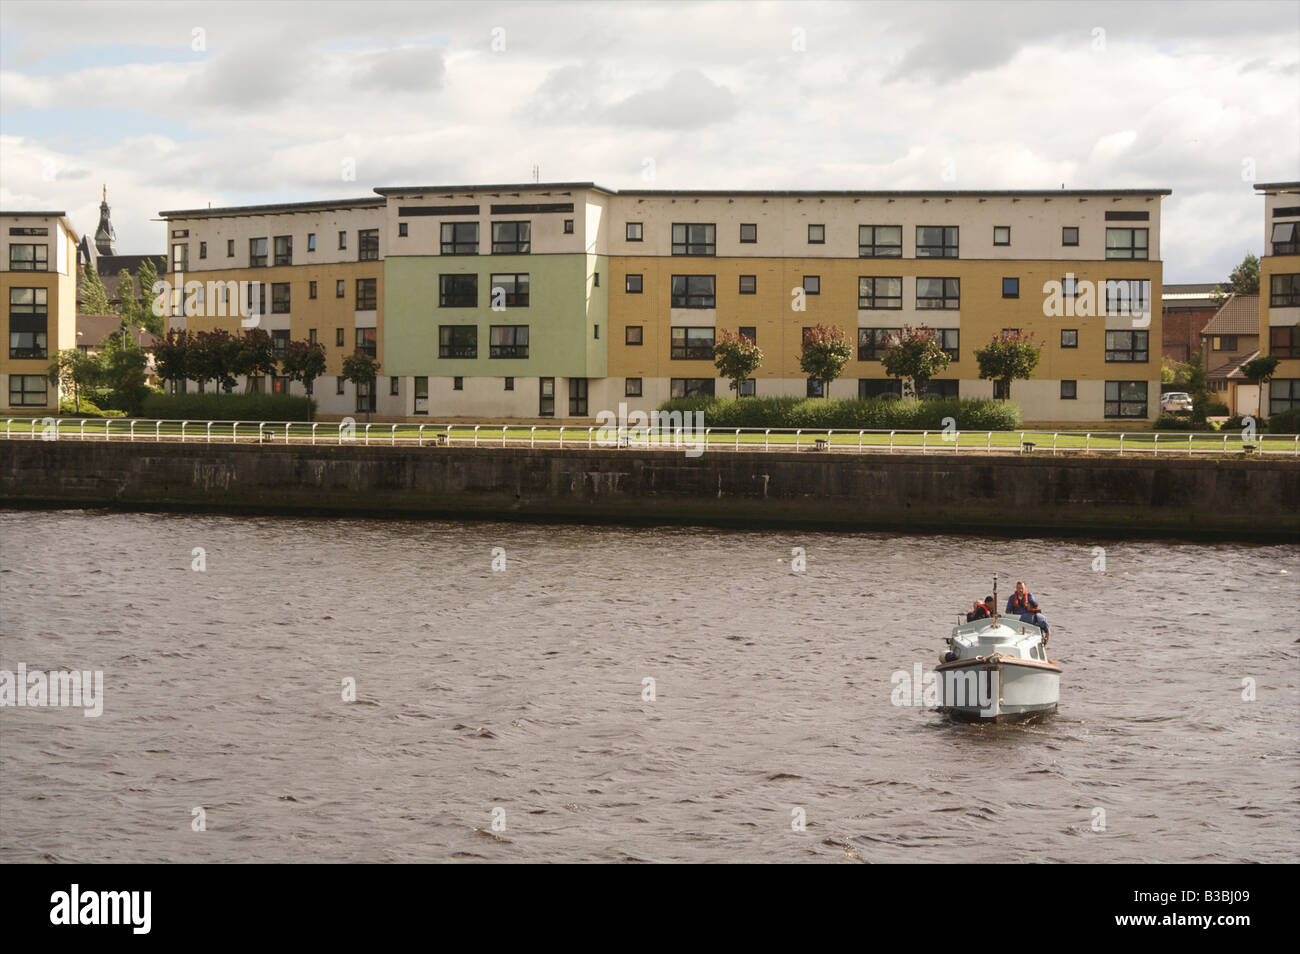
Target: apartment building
(1279,293)
(305,271)
(39,285)
(558,300)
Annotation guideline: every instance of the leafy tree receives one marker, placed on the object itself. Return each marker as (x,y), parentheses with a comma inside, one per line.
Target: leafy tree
(124,364)
(1199,388)
(212,356)
(825,353)
(737,357)
(1010,356)
(145,315)
(918,356)
(172,356)
(94,297)
(74,370)
(256,355)
(127,305)
(1259,371)
(304,361)
(1242,280)
(360,368)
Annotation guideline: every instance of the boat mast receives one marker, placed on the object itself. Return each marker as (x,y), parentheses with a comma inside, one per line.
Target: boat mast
(995,599)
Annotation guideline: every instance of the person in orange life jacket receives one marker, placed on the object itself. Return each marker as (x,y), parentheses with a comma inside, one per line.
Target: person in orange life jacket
(981,611)
(1019,601)
(1038,619)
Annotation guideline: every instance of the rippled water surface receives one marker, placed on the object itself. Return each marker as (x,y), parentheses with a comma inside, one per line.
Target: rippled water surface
(521,690)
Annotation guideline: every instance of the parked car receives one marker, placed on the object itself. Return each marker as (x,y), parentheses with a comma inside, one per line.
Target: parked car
(1176,402)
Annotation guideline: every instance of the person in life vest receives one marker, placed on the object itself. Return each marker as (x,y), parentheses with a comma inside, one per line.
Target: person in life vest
(1019,601)
(1031,615)
(981,611)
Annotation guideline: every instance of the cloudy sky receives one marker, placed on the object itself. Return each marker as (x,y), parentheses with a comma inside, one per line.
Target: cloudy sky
(178,105)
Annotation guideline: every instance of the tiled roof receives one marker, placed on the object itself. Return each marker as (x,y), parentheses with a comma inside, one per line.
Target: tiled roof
(93,329)
(1233,368)
(1238,316)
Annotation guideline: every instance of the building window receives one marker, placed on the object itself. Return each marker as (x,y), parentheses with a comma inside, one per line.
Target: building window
(512,238)
(338,337)
(1070,235)
(1011,288)
(631,387)
(1126,399)
(595,332)
(1128,296)
(203,250)
(1001,235)
(1070,287)
(29,318)
(280,298)
(1284,342)
(568,230)
(311,289)
(181,257)
(936,241)
(577,397)
(508,341)
(255,301)
(690,238)
(230,248)
(691,387)
(632,284)
(938,293)
(880,294)
(458,341)
(546,397)
(817,235)
(458,291)
(279,342)
(950,342)
(392,386)
(874,342)
(1001,390)
(28,390)
(340,288)
(748,284)
(748,388)
(343,240)
(311,336)
(879,387)
(632,335)
(366,341)
(1069,337)
(748,233)
(311,241)
(812,285)
(939,390)
(1069,390)
(815,388)
(1126,345)
(401,230)
(1224,342)
(1283,395)
(368,245)
(510,290)
(1126,243)
(595,279)
(509,384)
(1284,291)
(633,232)
(338,389)
(748,331)
(367,294)
(284,250)
(692,344)
(880,241)
(458,384)
(693,291)
(459,238)
(366,396)
(257,253)
(421,395)
(1286,238)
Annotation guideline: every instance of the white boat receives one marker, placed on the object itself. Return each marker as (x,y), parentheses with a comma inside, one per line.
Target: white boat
(997,670)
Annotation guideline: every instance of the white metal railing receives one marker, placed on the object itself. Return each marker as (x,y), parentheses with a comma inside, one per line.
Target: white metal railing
(1021,442)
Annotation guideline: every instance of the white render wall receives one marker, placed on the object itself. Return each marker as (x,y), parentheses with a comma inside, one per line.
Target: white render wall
(325,224)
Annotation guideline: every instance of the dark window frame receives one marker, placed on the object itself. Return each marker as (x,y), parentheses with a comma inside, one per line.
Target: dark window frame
(520,244)
(450,347)
(458,290)
(874,247)
(458,243)
(749,241)
(996,229)
(874,342)
(707,247)
(693,299)
(513,349)
(1116,407)
(949,242)
(1113,252)
(367,295)
(873,300)
(950,300)
(515,298)
(1115,354)
(1284,290)
(640,336)
(687,350)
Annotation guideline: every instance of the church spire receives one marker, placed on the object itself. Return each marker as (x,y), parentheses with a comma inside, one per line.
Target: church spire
(104,235)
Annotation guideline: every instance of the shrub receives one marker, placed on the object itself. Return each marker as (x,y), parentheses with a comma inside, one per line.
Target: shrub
(1216,409)
(1174,422)
(68,408)
(851,413)
(1287,422)
(211,406)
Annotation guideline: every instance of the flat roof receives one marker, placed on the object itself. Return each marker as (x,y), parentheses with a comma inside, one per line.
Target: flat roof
(499,187)
(277,208)
(897,193)
(1277,185)
(42,215)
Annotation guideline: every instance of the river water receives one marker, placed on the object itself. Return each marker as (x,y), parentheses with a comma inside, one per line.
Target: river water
(503,714)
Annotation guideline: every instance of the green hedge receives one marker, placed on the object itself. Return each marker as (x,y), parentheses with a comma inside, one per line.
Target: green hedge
(1288,422)
(229,407)
(1179,422)
(882,414)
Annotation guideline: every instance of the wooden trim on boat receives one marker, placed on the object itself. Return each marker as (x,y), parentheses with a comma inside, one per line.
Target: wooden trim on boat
(1004,661)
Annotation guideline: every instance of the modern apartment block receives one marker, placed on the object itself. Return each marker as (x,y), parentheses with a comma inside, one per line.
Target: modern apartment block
(39,287)
(545,301)
(1279,293)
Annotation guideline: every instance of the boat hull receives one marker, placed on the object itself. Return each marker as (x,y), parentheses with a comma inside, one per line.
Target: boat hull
(1006,690)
